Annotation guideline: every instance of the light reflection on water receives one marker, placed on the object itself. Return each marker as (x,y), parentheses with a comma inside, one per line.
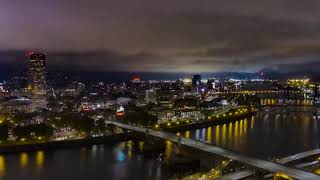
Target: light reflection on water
(2,165)
(217,135)
(225,135)
(129,149)
(209,134)
(187,134)
(267,134)
(24,159)
(39,159)
(117,161)
(168,151)
(141,144)
(230,133)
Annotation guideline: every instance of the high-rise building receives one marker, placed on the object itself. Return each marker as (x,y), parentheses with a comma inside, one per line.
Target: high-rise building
(151,96)
(196,81)
(37,73)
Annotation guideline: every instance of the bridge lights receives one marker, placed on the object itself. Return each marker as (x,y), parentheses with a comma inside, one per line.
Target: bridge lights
(282,176)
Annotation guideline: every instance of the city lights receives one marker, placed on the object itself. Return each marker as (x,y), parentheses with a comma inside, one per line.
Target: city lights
(159,90)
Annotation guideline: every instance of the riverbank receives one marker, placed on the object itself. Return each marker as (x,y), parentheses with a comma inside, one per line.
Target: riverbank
(72,143)
(202,124)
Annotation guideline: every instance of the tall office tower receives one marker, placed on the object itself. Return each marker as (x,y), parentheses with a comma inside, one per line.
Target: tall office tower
(151,96)
(37,73)
(196,81)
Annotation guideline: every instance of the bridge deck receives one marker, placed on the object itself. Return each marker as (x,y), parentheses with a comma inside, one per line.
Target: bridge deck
(237,175)
(262,164)
(298,156)
(307,164)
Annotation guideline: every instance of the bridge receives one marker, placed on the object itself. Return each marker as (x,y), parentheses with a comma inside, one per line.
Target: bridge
(248,173)
(254,162)
(298,156)
(237,175)
(254,92)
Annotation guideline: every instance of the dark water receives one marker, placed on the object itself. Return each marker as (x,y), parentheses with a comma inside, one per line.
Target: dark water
(267,135)
(114,162)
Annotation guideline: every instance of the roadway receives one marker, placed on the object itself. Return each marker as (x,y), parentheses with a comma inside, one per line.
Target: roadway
(262,164)
(300,166)
(237,175)
(307,164)
(248,173)
(298,156)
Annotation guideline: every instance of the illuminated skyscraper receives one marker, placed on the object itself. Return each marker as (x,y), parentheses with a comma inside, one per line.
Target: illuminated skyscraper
(37,73)
(151,96)
(196,81)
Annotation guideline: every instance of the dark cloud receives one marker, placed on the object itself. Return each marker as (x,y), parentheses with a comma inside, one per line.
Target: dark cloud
(166,36)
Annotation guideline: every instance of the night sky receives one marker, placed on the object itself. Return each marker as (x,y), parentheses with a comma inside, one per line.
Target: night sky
(164,36)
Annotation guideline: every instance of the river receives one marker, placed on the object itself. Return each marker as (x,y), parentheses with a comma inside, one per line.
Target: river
(114,162)
(270,134)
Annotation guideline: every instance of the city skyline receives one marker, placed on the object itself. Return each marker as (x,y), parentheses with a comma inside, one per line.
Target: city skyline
(159,90)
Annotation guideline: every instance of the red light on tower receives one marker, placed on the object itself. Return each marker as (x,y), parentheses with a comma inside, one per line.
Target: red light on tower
(29,53)
(136,79)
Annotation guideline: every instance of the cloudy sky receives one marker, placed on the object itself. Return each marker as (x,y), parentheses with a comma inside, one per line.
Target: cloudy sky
(164,36)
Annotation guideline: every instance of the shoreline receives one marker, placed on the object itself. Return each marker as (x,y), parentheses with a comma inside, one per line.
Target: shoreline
(207,123)
(72,143)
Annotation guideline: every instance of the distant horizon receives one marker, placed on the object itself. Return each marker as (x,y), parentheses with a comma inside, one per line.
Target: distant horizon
(15,62)
(116,77)
(106,61)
